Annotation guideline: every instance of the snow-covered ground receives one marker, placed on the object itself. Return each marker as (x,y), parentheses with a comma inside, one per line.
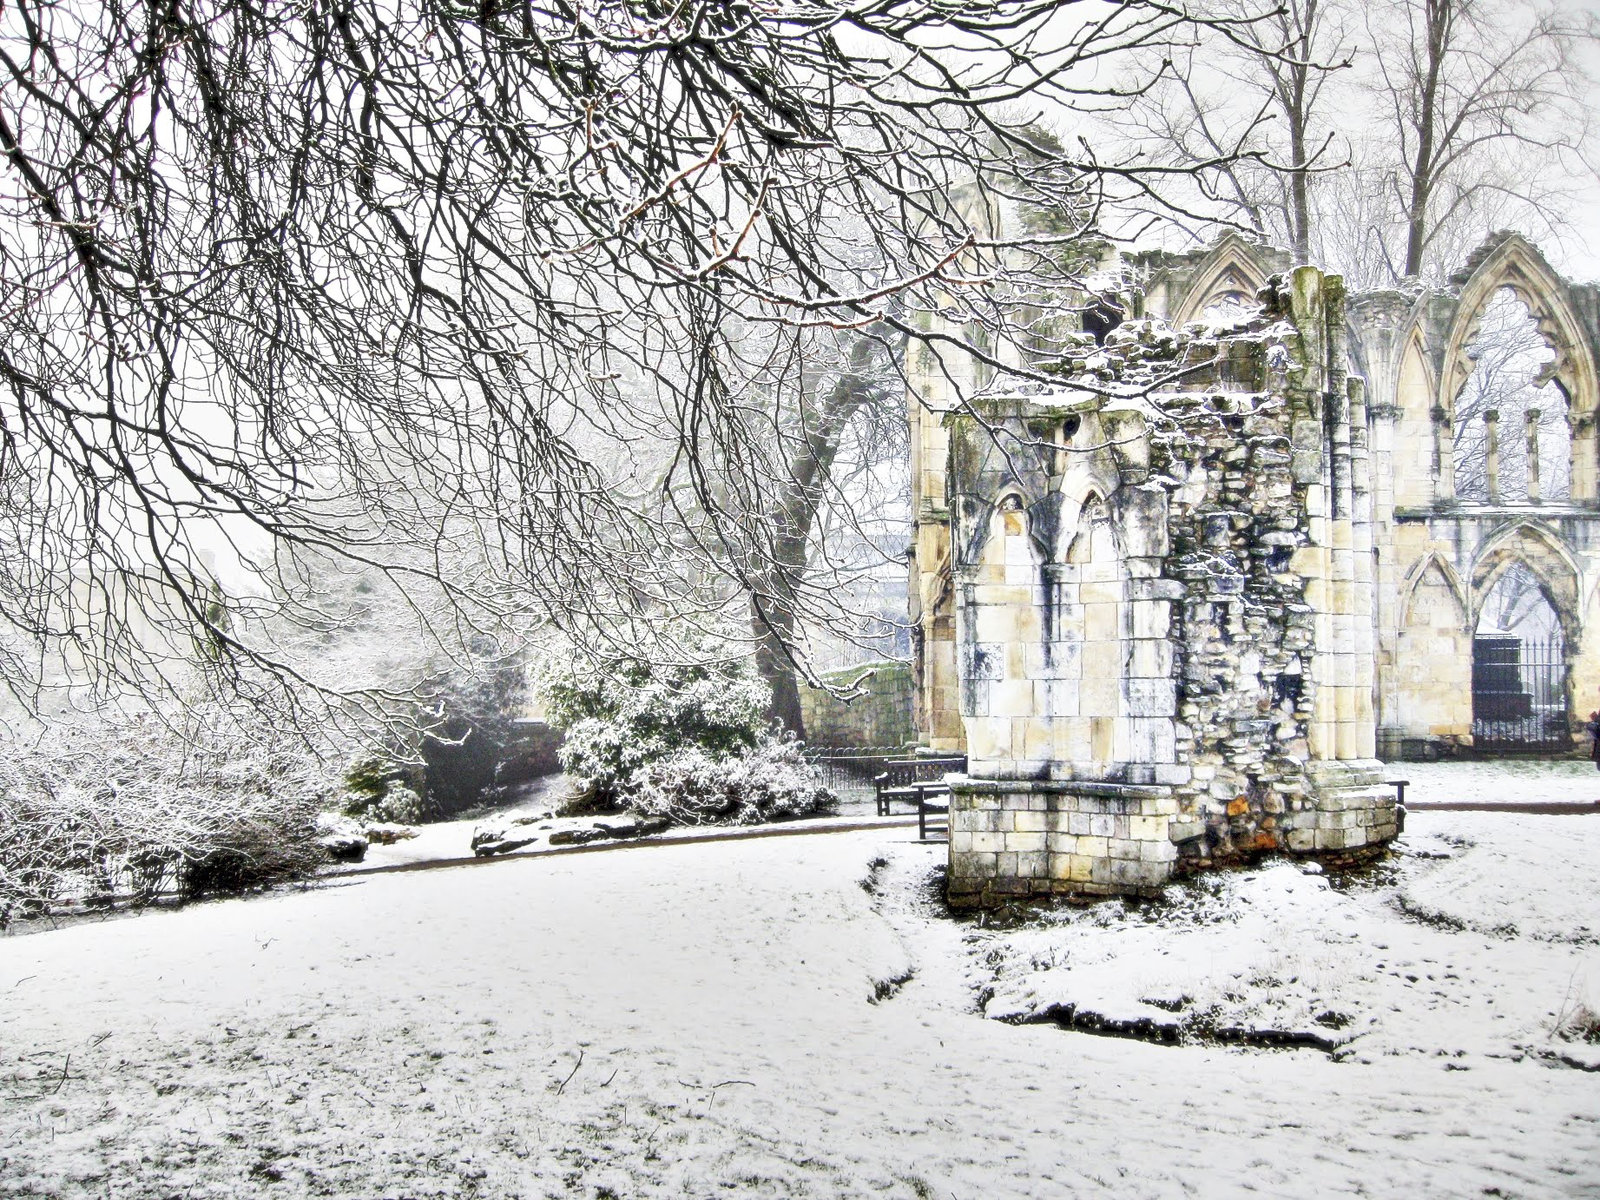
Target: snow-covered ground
(1478,941)
(747,1018)
(1500,781)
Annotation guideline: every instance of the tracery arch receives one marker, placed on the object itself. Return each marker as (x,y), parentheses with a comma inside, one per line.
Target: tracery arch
(1230,277)
(1516,265)
(1544,556)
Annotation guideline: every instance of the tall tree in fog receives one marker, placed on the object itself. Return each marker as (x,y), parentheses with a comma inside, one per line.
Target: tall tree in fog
(1381,139)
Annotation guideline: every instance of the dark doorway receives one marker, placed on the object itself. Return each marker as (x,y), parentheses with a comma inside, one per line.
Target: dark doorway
(1519,671)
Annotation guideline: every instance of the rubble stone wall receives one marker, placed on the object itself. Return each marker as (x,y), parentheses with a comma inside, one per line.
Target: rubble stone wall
(1158,606)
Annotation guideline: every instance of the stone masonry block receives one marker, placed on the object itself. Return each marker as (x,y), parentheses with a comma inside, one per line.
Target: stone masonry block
(972,866)
(1033,865)
(1151,619)
(1158,852)
(1185,830)
(1029,822)
(1151,697)
(1150,658)
(1149,829)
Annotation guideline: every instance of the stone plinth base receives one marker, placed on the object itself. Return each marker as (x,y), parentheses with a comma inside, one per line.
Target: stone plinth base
(1012,839)
(1016,839)
(1352,809)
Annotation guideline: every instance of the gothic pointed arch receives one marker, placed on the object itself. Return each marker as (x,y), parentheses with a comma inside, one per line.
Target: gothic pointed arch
(1544,554)
(1430,567)
(1235,268)
(1078,529)
(1509,260)
(1417,383)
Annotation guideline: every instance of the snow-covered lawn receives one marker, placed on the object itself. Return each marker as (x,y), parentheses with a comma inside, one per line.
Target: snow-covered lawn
(1459,948)
(700,1020)
(1502,781)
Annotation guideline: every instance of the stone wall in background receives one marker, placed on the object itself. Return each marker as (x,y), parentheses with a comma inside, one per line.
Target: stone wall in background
(880,715)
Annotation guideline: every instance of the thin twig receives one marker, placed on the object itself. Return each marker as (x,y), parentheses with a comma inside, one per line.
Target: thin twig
(562,1086)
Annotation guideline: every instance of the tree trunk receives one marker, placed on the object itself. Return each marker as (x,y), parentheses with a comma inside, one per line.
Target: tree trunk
(774,603)
(1439,18)
(777,668)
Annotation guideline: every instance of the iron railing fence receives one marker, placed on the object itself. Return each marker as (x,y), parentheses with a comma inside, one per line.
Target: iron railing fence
(1519,695)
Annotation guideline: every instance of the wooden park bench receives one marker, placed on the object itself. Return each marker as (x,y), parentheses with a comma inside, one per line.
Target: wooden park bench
(920,783)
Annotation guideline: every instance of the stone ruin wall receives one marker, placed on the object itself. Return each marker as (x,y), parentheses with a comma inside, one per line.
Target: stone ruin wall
(1158,611)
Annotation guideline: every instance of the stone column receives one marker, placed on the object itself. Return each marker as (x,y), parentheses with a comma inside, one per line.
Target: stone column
(1386,607)
(1341,594)
(1583,455)
(1533,455)
(1358,739)
(1491,461)
(1444,458)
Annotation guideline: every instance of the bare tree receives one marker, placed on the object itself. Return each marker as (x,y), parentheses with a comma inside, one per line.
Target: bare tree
(389,279)
(1381,139)
(1257,98)
(1482,97)
(862,384)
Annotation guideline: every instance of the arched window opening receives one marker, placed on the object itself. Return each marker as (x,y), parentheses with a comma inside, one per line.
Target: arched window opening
(1512,440)
(1519,674)
(1231,300)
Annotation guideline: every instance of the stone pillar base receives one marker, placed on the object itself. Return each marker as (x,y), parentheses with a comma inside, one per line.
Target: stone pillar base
(1015,839)
(1352,810)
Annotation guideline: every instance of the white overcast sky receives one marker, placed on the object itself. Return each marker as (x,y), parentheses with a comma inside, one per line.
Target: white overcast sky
(1579,259)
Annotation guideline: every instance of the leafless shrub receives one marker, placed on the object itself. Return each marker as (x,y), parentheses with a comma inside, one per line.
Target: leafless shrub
(100,812)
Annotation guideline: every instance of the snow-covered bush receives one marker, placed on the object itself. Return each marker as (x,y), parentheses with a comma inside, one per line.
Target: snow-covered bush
(400,806)
(138,808)
(379,789)
(619,722)
(770,782)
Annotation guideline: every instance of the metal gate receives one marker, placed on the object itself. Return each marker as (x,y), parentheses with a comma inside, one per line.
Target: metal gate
(1519,695)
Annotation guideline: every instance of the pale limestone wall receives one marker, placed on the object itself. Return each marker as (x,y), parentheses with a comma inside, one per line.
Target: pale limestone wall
(1410,347)
(1433,668)
(1165,618)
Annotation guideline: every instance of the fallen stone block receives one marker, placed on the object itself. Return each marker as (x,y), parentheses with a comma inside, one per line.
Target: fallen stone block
(578,837)
(491,839)
(386,834)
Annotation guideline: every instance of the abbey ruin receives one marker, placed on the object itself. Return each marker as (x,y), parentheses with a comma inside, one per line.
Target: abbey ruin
(1177,607)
